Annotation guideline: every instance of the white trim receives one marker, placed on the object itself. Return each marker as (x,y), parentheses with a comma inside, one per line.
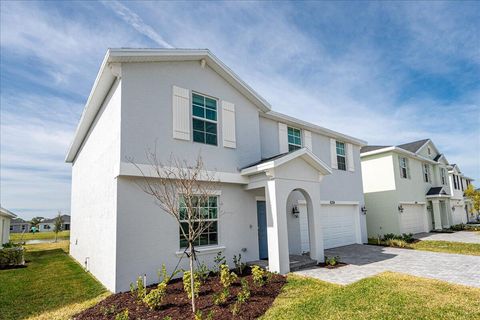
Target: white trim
(306,155)
(340,203)
(438,196)
(260,199)
(398,150)
(202,250)
(273,115)
(412,202)
(282,137)
(129,169)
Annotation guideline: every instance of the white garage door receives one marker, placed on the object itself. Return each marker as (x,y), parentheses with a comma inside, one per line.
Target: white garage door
(338,222)
(459,215)
(412,219)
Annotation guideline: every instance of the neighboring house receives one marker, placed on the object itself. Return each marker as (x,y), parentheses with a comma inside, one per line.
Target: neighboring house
(18,225)
(5,220)
(271,167)
(49,224)
(461,206)
(408,189)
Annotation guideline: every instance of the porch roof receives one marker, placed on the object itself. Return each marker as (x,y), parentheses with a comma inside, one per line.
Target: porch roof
(277,160)
(437,192)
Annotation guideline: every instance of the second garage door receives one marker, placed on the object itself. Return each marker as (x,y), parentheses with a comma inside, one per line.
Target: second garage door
(459,215)
(412,219)
(338,224)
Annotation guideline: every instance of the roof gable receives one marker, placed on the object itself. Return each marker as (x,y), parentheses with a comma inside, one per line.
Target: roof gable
(413,146)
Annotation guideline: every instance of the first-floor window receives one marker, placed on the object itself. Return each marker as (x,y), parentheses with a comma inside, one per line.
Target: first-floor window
(294,139)
(11,228)
(206,211)
(341,157)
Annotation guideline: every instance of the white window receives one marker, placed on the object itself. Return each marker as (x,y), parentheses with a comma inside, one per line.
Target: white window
(204,114)
(426,173)
(429,151)
(341,156)
(403,161)
(443,176)
(208,210)
(294,139)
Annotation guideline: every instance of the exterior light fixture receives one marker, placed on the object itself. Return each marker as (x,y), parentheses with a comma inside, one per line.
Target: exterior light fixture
(400,208)
(295,211)
(453,208)
(364,210)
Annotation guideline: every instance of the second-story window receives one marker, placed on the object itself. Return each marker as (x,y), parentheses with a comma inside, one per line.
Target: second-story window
(454,178)
(403,167)
(443,176)
(461,183)
(426,173)
(341,158)
(294,139)
(204,118)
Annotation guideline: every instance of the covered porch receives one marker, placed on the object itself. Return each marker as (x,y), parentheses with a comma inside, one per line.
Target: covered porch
(438,206)
(287,190)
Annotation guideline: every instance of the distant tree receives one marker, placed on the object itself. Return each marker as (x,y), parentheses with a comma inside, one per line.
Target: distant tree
(474,196)
(36,221)
(57,225)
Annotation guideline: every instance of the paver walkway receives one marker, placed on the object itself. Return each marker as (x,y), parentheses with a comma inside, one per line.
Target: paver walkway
(366,260)
(459,236)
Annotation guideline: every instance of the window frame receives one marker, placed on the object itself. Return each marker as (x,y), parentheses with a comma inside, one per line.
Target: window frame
(205,119)
(426,173)
(405,162)
(344,156)
(443,176)
(292,146)
(208,232)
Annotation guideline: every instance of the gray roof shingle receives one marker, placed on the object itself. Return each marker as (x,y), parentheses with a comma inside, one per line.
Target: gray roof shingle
(371,148)
(412,146)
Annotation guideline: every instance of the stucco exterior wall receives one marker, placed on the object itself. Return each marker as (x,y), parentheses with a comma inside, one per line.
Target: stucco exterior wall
(382,215)
(4,229)
(147,115)
(148,237)
(93,204)
(378,173)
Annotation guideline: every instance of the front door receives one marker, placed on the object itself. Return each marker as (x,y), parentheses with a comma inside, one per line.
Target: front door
(262,230)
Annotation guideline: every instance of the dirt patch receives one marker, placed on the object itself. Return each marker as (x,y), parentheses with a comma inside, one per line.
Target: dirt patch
(328,266)
(177,305)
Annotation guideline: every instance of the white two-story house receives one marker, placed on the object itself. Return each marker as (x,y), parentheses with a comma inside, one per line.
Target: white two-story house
(408,189)
(287,187)
(461,206)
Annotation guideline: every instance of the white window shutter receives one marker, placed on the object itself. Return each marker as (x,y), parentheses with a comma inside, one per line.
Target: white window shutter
(283,137)
(181,113)
(333,153)
(307,139)
(350,162)
(228,125)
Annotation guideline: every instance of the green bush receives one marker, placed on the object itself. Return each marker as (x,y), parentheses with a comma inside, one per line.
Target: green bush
(407,237)
(139,291)
(13,256)
(396,243)
(458,227)
(260,276)
(155,297)
(221,297)
(333,261)
(187,286)
(227,277)
(122,315)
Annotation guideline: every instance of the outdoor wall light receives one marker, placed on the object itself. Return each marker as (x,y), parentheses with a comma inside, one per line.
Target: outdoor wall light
(364,210)
(400,208)
(295,211)
(453,208)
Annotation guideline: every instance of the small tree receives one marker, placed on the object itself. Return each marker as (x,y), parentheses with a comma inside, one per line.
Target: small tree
(179,189)
(474,196)
(57,225)
(36,221)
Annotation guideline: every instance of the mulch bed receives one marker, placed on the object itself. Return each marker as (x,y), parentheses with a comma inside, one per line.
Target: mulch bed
(177,305)
(328,266)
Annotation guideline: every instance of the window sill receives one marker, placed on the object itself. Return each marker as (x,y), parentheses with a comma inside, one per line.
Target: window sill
(203,250)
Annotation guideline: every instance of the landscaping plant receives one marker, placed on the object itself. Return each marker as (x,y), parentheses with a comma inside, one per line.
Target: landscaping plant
(178,189)
(139,291)
(332,261)
(239,265)
(57,225)
(227,277)
(155,297)
(219,260)
(260,276)
(242,297)
(122,315)
(192,292)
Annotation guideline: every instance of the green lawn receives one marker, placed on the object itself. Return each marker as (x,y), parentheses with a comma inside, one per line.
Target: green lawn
(52,283)
(448,247)
(385,296)
(39,235)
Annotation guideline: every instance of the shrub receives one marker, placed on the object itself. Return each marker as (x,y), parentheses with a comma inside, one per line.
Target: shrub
(389,236)
(221,297)
(139,291)
(332,261)
(155,297)
(239,265)
(408,237)
(13,256)
(242,297)
(227,277)
(186,284)
(396,243)
(202,272)
(458,227)
(199,315)
(219,260)
(10,244)
(122,315)
(260,276)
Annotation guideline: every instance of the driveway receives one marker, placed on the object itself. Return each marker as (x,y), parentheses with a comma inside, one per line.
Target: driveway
(459,236)
(366,260)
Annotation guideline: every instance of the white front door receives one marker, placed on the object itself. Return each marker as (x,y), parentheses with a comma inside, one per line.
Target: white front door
(412,219)
(339,225)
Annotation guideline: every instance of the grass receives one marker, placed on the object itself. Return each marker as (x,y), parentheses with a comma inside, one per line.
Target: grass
(52,286)
(37,236)
(448,247)
(385,296)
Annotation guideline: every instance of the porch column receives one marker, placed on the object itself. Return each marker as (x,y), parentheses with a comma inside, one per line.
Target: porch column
(277,232)
(436,214)
(315,228)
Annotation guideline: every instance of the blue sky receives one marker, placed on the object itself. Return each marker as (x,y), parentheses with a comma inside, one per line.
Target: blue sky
(385,72)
